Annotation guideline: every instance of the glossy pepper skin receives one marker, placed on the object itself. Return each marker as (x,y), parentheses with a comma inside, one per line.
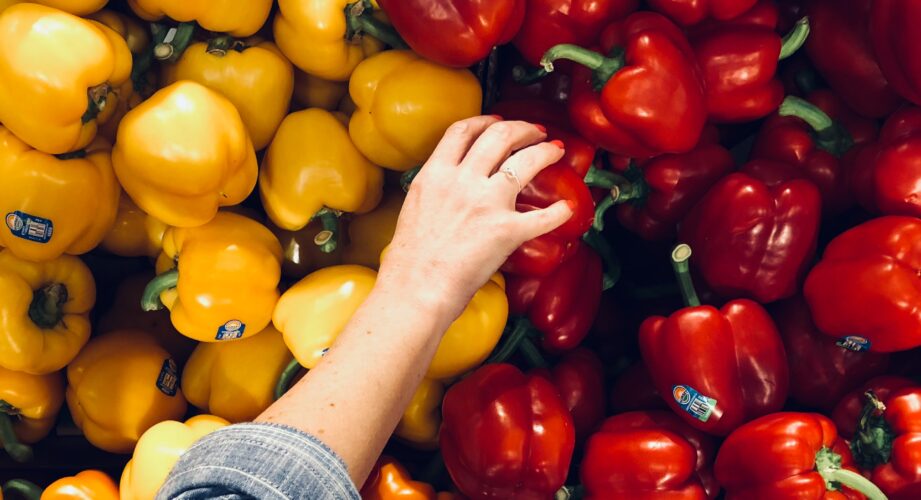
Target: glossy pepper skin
(311,164)
(55,206)
(562,305)
(370,233)
(76,7)
(130,369)
(849,409)
(867,285)
(840,49)
(389,480)
(46,309)
(821,372)
(175,164)
(648,455)
(894,43)
(896,177)
(506,435)
(579,378)
(158,450)
(455,33)
(688,12)
(133,233)
(740,232)
(228,273)
(252,74)
(85,485)
(222,16)
(315,92)
(421,420)
(405,104)
(236,380)
(53,64)
(29,406)
(788,455)
(652,100)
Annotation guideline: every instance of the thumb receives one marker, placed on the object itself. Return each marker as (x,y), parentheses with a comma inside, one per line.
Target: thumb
(538,222)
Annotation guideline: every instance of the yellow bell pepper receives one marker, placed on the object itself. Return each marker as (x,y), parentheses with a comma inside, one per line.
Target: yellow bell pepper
(312,169)
(183,153)
(300,255)
(157,452)
(135,34)
(252,74)
(405,104)
(134,234)
(422,418)
(370,233)
(311,314)
(57,72)
(236,380)
(76,7)
(315,92)
(53,205)
(226,283)
(29,405)
(45,312)
(85,485)
(120,385)
(223,16)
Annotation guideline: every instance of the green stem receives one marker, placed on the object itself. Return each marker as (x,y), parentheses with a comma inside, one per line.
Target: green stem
(96,101)
(47,303)
(854,481)
(407,178)
(150,299)
(73,155)
(680,256)
(570,493)
(328,238)
(872,443)
(601,210)
(532,354)
(524,76)
(219,46)
(603,67)
(622,190)
(284,380)
(20,488)
(604,179)
(360,20)
(795,39)
(829,135)
(19,452)
(519,331)
(173,42)
(612,267)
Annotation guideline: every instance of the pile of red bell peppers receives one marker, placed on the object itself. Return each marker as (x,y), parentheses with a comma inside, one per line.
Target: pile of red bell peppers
(734,309)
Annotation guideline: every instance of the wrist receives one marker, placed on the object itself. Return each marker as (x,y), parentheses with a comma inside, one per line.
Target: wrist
(418,290)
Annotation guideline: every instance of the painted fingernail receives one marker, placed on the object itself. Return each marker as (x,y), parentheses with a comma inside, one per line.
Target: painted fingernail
(540,127)
(497,117)
(558,143)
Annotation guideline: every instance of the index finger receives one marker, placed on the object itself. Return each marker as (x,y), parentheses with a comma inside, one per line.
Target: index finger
(458,139)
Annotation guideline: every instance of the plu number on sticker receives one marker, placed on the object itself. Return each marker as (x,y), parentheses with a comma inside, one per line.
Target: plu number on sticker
(693,402)
(29,227)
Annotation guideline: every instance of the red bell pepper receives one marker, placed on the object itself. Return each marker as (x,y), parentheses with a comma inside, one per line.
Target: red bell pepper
(455,33)
(506,435)
(840,50)
(894,37)
(717,368)
(821,372)
(742,232)
(896,169)
(765,14)
(739,64)
(633,390)
(846,413)
(579,378)
(648,455)
(688,12)
(579,154)
(562,305)
(646,97)
(552,22)
(867,287)
(789,455)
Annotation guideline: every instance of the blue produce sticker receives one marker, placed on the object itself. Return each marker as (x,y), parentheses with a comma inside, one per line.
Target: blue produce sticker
(854,343)
(693,402)
(168,380)
(231,330)
(29,227)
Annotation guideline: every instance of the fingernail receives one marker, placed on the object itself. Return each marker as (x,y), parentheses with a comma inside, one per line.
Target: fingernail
(540,127)
(497,117)
(558,143)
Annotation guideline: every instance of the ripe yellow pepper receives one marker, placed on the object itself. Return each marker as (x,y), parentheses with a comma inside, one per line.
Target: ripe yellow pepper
(120,385)
(422,418)
(55,205)
(405,104)
(29,405)
(225,285)
(86,485)
(313,169)
(45,312)
(174,160)
(252,74)
(236,380)
(300,255)
(311,314)
(135,34)
(222,16)
(315,92)
(58,72)
(134,233)
(76,7)
(370,233)
(157,452)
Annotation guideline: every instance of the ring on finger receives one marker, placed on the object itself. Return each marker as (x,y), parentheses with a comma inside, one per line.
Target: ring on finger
(511,174)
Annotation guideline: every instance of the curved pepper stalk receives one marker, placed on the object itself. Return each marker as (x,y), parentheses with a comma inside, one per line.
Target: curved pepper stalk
(872,445)
(170,43)
(19,452)
(150,299)
(20,488)
(603,68)
(829,134)
(828,465)
(360,20)
(795,39)
(680,257)
(628,187)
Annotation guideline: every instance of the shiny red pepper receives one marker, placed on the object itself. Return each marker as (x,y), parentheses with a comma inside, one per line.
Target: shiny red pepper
(742,235)
(895,39)
(579,378)
(716,368)
(562,305)
(821,372)
(867,287)
(648,455)
(839,47)
(646,97)
(506,435)
(846,413)
(765,13)
(633,390)
(455,33)
(688,12)
(789,455)
(896,169)
(552,22)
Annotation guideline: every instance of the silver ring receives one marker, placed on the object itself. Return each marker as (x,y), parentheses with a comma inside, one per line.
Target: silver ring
(507,170)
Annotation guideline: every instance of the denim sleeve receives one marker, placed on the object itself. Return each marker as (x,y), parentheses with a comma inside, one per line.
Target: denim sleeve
(264,461)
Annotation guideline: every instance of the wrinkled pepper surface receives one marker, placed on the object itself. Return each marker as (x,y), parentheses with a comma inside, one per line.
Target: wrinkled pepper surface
(85,485)
(421,420)
(688,12)
(134,233)
(29,406)
(222,16)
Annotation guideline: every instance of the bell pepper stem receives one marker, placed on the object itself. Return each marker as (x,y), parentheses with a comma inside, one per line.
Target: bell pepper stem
(872,443)
(20,488)
(19,452)
(532,354)
(219,46)
(519,331)
(612,267)
(150,299)
(284,380)
(172,43)
(604,179)
(570,493)
(795,39)
(328,238)
(359,19)
(829,135)
(524,76)
(407,178)
(680,256)
(45,309)
(601,210)
(603,67)
(828,465)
